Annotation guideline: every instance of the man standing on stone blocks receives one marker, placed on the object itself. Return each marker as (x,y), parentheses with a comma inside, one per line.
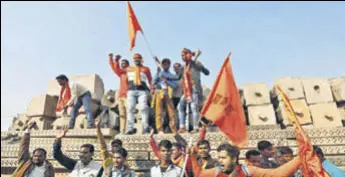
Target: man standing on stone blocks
(85,166)
(162,97)
(192,89)
(177,93)
(139,85)
(74,95)
(122,74)
(35,166)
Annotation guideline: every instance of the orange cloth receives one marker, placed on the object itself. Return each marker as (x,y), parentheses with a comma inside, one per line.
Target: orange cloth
(223,106)
(65,96)
(115,66)
(285,170)
(311,164)
(187,82)
(133,25)
(137,70)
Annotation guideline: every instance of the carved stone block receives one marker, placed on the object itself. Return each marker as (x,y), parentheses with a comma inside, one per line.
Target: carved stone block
(325,115)
(256,94)
(338,88)
(19,122)
(317,90)
(43,123)
(291,86)
(301,110)
(261,115)
(42,105)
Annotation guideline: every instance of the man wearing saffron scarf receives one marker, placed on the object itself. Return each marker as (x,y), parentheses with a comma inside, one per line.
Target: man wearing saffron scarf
(192,91)
(121,73)
(139,84)
(228,156)
(74,95)
(35,166)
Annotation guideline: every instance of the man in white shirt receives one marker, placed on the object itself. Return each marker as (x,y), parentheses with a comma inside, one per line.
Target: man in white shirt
(79,96)
(85,166)
(165,168)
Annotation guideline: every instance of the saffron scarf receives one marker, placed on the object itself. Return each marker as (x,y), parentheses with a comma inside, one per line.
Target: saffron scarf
(187,82)
(65,96)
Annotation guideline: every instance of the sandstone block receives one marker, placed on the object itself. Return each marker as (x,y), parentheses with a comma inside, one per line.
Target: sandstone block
(256,94)
(43,123)
(42,105)
(19,122)
(325,115)
(338,88)
(261,115)
(301,110)
(317,90)
(291,86)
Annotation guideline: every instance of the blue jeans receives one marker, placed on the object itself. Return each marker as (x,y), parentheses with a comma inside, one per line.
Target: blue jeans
(142,97)
(83,100)
(195,106)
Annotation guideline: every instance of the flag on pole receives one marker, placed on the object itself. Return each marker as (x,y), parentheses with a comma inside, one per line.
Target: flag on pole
(311,164)
(133,25)
(224,108)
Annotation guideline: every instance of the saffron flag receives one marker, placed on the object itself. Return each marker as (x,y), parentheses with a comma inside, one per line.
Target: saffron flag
(133,25)
(224,108)
(311,164)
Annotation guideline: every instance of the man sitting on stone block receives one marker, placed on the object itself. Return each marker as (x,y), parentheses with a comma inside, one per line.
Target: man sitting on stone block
(35,166)
(74,95)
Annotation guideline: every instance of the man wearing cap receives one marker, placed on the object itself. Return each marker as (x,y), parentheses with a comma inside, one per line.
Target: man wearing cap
(139,85)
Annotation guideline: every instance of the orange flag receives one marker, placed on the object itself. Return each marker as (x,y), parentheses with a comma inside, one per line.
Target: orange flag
(224,108)
(311,164)
(133,25)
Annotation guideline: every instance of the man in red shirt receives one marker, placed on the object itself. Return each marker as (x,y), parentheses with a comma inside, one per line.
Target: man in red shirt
(122,92)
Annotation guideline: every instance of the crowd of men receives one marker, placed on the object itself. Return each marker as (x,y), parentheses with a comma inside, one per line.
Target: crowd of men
(265,161)
(166,91)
